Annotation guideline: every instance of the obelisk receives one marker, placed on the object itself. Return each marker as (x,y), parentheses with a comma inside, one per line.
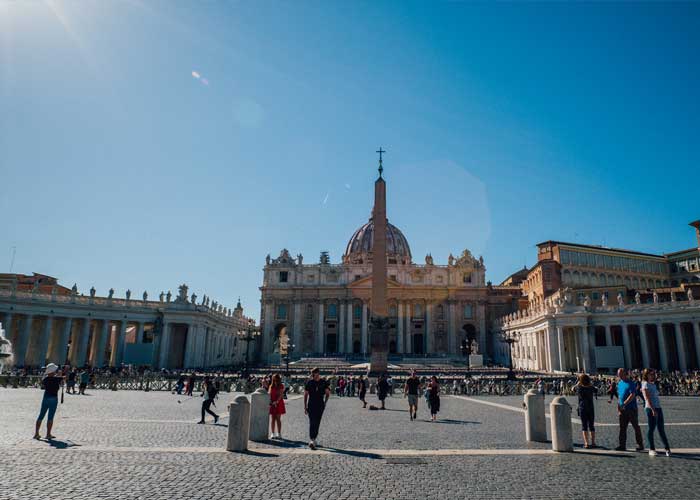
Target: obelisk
(379,324)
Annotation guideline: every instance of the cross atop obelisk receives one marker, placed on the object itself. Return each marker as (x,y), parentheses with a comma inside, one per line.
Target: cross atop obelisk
(379,327)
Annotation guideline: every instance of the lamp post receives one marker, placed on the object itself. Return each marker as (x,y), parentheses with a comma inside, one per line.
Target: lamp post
(466,348)
(248,335)
(287,354)
(510,338)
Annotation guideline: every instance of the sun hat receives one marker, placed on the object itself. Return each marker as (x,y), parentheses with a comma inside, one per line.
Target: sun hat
(51,368)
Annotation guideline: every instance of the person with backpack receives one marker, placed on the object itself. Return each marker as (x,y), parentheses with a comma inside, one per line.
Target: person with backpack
(586,391)
(210,392)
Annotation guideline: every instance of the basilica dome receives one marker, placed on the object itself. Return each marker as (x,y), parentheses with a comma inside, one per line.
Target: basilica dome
(359,248)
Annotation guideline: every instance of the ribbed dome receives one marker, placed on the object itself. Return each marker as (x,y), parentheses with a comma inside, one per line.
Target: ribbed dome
(359,247)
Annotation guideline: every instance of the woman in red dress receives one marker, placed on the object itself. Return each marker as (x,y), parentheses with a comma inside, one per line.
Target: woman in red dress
(277,409)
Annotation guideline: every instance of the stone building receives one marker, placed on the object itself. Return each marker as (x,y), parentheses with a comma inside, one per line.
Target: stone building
(595,308)
(45,325)
(324,308)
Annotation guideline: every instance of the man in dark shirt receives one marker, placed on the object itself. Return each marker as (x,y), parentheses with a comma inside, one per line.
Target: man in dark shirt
(51,383)
(316,394)
(412,390)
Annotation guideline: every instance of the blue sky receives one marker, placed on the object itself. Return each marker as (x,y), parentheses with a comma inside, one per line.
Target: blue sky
(144,144)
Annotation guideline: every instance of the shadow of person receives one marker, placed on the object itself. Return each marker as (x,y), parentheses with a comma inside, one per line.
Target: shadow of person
(61,445)
(457,422)
(352,453)
(286,443)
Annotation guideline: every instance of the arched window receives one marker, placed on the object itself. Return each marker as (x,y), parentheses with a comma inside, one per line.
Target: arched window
(332,311)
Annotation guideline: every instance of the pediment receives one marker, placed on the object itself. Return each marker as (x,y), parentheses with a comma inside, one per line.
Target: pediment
(366,282)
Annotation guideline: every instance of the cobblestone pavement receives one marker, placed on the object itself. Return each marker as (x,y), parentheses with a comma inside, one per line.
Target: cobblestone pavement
(133,445)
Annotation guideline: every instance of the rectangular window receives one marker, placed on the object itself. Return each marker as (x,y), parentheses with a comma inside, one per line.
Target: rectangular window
(467,278)
(284,276)
(357,277)
(393,277)
(564,256)
(439,279)
(357,312)
(596,295)
(282,311)
(417,311)
(310,278)
(332,311)
(468,311)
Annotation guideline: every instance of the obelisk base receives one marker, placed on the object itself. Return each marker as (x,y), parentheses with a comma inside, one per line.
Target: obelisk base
(378,363)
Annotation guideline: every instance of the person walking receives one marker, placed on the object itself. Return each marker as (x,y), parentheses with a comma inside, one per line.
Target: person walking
(277,408)
(411,389)
(627,410)
(362,390)
(316,394)
(585,390)
(84,380)
(655,415)
(434,397)
(209,392)
(70,385)
(190,385)
(382,390)
(52,381)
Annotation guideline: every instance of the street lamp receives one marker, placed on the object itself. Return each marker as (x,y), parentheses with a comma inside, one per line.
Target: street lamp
(466,348)
(248,335)
(287,354)
(510,338)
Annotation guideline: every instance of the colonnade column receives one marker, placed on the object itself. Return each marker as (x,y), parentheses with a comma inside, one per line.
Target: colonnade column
(119,342)
(626,346)
(560,346)
(99,357)
(83,342)
(20,349)
(663,354)
(57,353)
(349,329)
(42,347)
(645,345)
(7,325)
(399,327)
(585,349)
(190,346)
(428,328)
(680,347)
(364,327)
(320,332)
(139,332)
(340,343)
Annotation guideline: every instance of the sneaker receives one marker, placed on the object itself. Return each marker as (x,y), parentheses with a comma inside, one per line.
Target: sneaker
(620,448)
(312,445)
(668,453)
(216,419)
(201,422)
(639,448)
(652,453)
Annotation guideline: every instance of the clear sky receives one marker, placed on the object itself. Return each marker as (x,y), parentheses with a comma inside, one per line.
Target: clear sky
(144,144)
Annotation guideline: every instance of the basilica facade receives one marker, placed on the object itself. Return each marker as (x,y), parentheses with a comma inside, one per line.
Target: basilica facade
(324,308)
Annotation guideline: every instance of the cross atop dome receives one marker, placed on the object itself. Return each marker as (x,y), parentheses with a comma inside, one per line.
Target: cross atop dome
(381,152)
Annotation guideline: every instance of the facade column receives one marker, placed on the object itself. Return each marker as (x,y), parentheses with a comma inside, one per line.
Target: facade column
(408,328)
(41,352)
(399,327)
(20,349)
(481,317)
(451,333)
(57,353)
(645,345)
(608,336)
(585,349)
(364,327)
(296,331)
(680,347)
(269,312)
(428,329)
(83,342)
(340,343)
(626,346)
(320,332)
(349,330)
(696,332)
(99,358)
(551,352)
(118,349)
(663,354)
(560,346)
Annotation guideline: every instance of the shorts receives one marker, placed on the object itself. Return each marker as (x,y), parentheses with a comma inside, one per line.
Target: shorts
(413,399)
(48,405)
(587,421)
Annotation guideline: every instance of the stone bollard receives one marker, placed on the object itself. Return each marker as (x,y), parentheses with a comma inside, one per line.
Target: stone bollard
(238,424)
(535,422)
(259,415)
(560,412)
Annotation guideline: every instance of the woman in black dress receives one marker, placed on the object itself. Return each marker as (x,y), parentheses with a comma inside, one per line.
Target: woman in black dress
(362,388)
(434,397)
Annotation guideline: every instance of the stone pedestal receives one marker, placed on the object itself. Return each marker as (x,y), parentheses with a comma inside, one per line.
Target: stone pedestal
(560,413)
(259,415)
(238,424)
(476,360)
(535,422)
